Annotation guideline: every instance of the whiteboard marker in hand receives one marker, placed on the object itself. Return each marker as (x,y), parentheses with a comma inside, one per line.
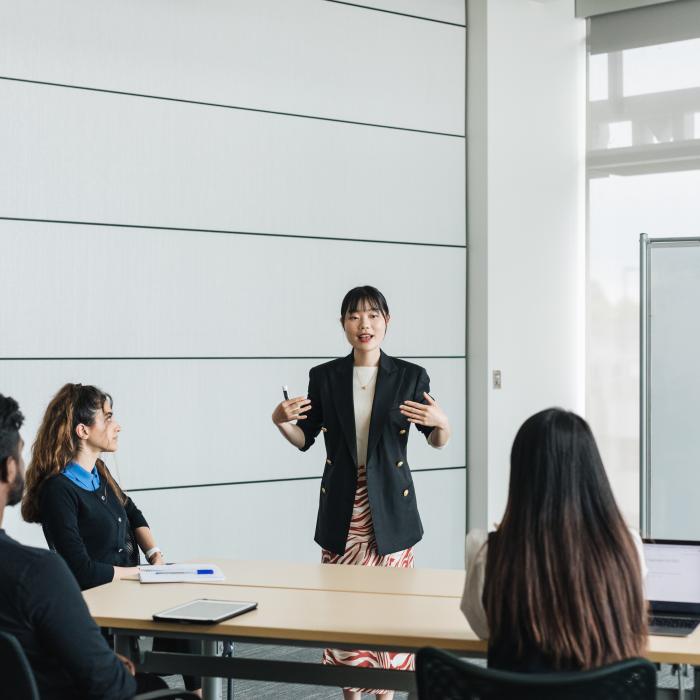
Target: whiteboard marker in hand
(285,391)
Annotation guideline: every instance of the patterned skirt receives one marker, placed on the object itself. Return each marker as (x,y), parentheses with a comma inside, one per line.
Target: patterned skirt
(361,549)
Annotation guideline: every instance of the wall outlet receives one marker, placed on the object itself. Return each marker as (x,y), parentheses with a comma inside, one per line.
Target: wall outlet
(497,379)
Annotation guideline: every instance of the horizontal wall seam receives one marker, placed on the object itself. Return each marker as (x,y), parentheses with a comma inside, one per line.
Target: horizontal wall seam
(219,105)
(266,481)
(228,232)
(394,12)
(213,357)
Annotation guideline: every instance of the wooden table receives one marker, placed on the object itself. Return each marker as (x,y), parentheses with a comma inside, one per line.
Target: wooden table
(316,605)
(301,605)
(333,577)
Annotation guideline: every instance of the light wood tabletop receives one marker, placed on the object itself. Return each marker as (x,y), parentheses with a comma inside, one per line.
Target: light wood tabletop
(338,577)
(321,603)
(292,614)
(315,614)
(675,650)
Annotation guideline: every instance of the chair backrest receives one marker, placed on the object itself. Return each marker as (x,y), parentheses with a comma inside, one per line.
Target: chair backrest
(17,681)
(447,677)
(132,547)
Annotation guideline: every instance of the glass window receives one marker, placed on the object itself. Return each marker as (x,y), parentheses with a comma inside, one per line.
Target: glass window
(619,134)
(662,68)
(598,77)
(620,209)
(644,96)
(646,103)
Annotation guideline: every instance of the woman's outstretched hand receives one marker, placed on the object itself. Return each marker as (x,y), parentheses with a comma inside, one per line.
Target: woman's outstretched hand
(429,414)
(291,410)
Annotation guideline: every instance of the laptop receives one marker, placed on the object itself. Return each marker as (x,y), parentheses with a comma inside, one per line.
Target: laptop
(672,586)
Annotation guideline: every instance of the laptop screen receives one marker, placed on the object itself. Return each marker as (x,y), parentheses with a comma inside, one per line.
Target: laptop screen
(673,576)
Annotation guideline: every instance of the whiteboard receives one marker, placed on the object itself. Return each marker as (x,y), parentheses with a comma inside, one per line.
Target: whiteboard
(670,387)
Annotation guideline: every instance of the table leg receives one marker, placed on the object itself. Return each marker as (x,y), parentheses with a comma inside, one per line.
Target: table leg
(228,652)
(122,645)
(211,687)
(681,683)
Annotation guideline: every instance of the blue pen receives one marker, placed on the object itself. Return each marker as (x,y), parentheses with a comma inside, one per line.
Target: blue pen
(181,573)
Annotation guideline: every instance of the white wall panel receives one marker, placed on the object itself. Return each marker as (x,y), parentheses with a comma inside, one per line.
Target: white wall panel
(208,421)
(277,521)
(442,504)
(302,56)
(103,291)
(26,533)
(87,156)
(255,521)
(526,222)
(74,291)
(441,10)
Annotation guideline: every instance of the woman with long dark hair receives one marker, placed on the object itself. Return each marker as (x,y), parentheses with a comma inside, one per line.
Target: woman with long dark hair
(558,585)
(365,404)
(85,515)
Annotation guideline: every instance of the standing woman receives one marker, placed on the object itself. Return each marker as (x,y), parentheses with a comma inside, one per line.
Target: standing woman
(364,404)
(558,586)
(85,515)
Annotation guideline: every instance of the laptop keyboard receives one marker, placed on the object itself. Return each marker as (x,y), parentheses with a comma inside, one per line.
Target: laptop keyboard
(680,623)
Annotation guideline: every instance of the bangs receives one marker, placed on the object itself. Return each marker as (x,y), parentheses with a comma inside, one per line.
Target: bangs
(364,298)
(362,303)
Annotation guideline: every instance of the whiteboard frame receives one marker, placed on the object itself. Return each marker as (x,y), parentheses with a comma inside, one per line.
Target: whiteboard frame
(645,245)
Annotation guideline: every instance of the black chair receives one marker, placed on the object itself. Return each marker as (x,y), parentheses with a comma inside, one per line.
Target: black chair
(18,680)
(443,676)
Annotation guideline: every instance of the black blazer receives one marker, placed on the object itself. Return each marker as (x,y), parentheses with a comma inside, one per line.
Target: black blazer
(392,498)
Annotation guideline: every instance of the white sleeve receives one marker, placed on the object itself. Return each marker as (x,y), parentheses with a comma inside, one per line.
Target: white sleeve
(472,605)
(640,551)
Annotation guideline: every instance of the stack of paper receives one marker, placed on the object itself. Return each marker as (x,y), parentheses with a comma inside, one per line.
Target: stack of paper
(180,573)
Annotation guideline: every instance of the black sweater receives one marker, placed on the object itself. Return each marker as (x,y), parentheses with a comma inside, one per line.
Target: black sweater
(41,605)
(91,530)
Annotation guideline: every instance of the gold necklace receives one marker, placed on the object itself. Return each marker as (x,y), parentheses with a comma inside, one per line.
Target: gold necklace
(369,381)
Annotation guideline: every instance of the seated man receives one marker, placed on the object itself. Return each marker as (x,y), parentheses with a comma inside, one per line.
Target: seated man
(41,604)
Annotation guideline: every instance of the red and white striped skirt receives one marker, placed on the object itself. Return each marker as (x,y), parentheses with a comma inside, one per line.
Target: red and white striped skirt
(361,549)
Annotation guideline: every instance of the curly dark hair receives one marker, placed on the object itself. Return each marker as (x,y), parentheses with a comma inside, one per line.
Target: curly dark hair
(56,443)
(11,420)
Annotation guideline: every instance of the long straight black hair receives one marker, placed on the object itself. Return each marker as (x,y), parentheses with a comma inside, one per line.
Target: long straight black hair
(563,574)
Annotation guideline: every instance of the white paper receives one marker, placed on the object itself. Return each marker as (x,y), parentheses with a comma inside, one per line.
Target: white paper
(180,573)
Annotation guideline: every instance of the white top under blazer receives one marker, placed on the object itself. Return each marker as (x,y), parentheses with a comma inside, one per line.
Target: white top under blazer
(364,381)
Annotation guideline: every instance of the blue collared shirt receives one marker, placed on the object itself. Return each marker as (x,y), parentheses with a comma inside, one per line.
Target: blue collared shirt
(88,481)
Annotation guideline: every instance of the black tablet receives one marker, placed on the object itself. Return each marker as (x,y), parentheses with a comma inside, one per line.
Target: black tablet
(205,611)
